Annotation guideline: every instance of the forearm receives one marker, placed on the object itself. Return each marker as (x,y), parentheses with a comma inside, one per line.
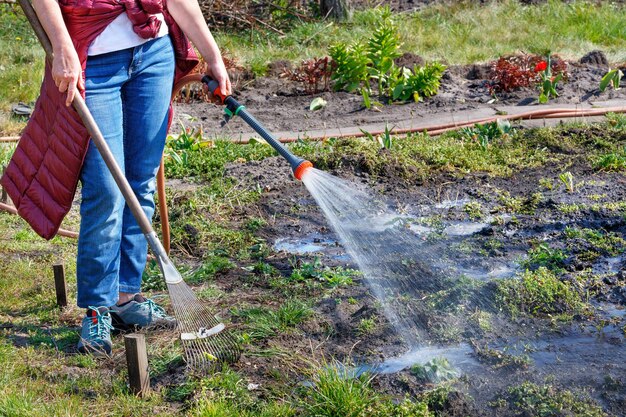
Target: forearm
(66,68)
(189,17)
(49,14)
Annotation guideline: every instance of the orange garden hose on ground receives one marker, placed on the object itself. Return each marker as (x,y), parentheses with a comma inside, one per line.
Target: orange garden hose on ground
(433,130)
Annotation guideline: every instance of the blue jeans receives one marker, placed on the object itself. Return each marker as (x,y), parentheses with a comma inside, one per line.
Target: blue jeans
(128,93)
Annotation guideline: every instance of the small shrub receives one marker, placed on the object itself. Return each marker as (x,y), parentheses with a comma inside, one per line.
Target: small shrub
(359,65)
(510,73)
(522,71)
(313,73)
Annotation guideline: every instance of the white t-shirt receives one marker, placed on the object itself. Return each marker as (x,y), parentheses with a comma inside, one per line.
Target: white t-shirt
(120,35)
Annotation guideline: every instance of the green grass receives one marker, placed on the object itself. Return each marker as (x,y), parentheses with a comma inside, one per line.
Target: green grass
(334,392)
(262,323)
(21,66)
(462,33)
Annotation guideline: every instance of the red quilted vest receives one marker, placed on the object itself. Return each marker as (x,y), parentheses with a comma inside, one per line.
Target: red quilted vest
(43,173)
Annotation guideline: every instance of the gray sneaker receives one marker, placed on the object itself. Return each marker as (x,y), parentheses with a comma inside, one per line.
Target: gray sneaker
(140,312)
(95,334)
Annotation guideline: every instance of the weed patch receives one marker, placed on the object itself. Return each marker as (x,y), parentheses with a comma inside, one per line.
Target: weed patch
(547,400)
(543,256)
(540,293)
(263,323)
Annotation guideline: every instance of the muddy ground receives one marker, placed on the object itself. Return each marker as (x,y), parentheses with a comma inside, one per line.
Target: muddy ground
(583,356)
(282,105)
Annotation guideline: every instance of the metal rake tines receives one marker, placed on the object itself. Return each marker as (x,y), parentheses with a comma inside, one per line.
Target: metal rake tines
(205,339)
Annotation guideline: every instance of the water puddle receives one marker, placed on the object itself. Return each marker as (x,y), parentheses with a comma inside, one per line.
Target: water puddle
(448,204)
(498,270)
(312,244)
(609,265)
(611,311)
(459,356)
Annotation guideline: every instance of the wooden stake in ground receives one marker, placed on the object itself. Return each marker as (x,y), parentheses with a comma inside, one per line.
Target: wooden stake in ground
(137,362)
(59,284)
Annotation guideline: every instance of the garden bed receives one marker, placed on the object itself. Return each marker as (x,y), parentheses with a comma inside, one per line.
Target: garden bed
(282,105)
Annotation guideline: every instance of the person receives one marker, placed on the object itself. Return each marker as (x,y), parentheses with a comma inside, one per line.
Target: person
(124,55)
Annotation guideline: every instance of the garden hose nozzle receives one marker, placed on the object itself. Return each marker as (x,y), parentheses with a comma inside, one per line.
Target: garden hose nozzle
(298,165)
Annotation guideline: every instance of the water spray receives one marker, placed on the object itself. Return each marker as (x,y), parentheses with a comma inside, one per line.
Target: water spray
(233,108)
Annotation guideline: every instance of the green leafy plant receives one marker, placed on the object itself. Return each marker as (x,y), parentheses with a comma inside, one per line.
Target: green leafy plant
(546,401)
(421,82)
(484,134)
(366,326)
(545,256)
(350,67)
(382,48)
(474,210)
(567,178)
(548,81)
(612,78)
(178,147)
(385,140)
(331,277)
(434,371)
(359,65)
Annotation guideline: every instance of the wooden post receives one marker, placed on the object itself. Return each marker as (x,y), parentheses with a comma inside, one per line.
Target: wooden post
(59,284)
(137,362)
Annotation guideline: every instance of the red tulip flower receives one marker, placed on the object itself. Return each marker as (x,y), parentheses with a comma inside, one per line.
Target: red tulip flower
(541,66)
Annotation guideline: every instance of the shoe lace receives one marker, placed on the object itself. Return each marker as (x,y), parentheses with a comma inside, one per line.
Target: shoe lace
(154,308)
(99,328)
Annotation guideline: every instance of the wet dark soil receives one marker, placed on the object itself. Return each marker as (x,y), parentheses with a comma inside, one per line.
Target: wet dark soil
(579,356)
